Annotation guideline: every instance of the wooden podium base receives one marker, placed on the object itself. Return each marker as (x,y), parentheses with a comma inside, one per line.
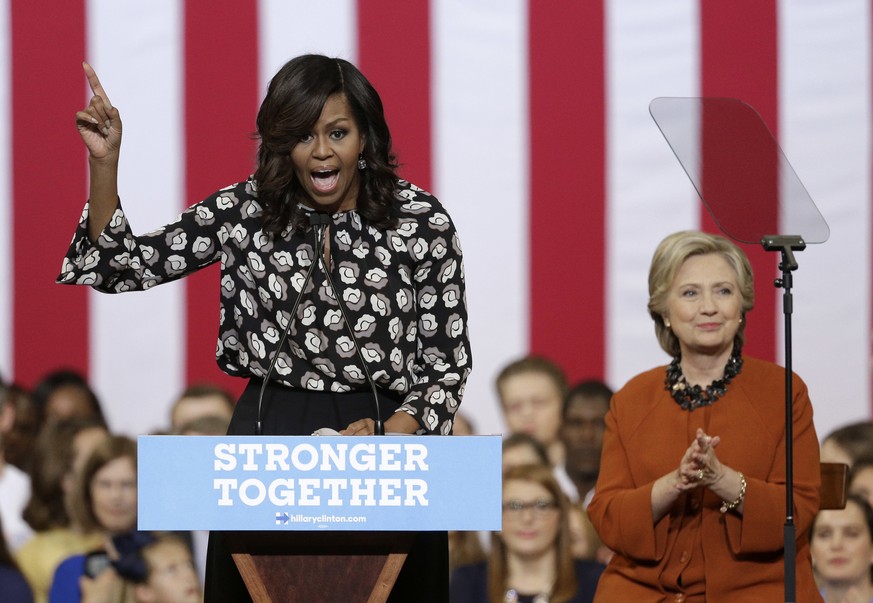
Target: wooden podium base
(353,567)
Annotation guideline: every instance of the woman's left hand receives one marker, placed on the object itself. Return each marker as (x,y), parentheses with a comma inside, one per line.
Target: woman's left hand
(400,422)
(704,468)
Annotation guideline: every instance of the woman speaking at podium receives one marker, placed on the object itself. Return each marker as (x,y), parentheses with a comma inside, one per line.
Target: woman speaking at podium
(338,279)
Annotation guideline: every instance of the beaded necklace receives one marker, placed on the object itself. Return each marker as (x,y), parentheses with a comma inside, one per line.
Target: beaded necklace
(690,397)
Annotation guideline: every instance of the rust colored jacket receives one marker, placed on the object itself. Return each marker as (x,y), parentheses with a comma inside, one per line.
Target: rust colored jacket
(738,556)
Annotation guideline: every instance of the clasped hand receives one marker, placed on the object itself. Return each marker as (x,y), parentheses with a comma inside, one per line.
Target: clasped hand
(700,466)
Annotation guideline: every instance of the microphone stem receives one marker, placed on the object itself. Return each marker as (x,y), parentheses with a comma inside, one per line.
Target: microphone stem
(379,426)
(258,427)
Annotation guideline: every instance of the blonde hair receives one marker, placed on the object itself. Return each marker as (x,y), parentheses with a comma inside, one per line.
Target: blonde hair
(671,253)
(565,573)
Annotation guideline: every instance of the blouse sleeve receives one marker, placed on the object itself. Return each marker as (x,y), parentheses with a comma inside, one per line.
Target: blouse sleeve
(760,529)
(120,261)
(442,360)
(621,511)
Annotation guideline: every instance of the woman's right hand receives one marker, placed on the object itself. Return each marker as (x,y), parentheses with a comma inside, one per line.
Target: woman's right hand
(99,123)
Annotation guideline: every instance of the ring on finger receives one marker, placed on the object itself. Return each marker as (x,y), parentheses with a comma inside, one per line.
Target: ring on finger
(699,474)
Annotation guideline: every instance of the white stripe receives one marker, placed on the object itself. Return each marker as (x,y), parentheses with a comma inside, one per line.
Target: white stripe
(651,50)
(288,29)
(480,158)
(137,353)
(6,251)
(825,131)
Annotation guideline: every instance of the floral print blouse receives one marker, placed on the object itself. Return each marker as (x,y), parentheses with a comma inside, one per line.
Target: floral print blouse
(403,291)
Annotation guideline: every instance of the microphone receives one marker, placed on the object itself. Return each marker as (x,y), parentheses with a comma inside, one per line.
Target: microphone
(379,427)
(319,222)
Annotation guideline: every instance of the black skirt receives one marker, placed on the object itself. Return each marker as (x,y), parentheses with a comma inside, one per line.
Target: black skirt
(288,411)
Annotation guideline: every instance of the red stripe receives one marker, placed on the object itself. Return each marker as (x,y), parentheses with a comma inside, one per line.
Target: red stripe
(568,184)
(50,326)
(394,54)
(739,59)
(221,102)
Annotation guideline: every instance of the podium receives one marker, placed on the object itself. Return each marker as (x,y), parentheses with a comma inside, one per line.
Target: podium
(280,567)
(326,518)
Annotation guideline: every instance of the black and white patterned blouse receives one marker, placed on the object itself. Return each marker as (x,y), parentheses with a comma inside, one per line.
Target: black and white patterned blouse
(403,289)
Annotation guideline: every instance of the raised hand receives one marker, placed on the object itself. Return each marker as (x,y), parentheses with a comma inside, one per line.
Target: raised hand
(99,123)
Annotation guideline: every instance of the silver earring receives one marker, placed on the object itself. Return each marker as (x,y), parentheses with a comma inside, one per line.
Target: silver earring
(362,163)
(667,323)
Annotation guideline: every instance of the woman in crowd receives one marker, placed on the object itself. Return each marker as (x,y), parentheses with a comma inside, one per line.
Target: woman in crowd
(841,541)
(13,586)
(691,493)
(848,443)
(59,454)
(385,311)
(531,559)
(104,503)
(523,449)
(861,478)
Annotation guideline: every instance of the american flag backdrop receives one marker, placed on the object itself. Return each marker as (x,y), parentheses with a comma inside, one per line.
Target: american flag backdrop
(527,118)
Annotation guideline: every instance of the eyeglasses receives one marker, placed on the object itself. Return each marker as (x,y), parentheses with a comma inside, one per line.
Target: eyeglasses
(540,508)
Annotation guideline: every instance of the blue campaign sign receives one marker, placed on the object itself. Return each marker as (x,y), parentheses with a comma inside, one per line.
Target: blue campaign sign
(319,483)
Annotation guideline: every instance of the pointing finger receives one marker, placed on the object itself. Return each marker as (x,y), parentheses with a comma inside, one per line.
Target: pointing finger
(96,86)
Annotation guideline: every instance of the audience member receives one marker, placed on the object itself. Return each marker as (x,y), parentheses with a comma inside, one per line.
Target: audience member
(169,573)
(585,408)
(530,557)
(848,443)
(14,483)
(202,400)
(206,425)
(841,543)
(522,449)
(861,478)
(531,392)
(19,441)
(464,547)
(13,586)
(104,501)
(65,394)
(462,425)
(209,426)
(148,568)
(59,455)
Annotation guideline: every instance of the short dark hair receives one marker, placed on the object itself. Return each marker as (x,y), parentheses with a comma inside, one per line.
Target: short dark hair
(590,388)
(855,438)
(53,381)
(294,101)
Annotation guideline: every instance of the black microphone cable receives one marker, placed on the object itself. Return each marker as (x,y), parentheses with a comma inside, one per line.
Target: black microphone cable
(379,427)
(319,222)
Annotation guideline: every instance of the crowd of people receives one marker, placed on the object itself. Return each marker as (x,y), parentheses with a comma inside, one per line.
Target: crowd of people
(68,499)
(668,489)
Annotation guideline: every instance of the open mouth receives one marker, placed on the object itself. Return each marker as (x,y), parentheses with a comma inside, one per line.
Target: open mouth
(324,181)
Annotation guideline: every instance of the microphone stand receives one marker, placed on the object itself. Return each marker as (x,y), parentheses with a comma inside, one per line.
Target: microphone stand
(379,425)
(787,245)
(319,221)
